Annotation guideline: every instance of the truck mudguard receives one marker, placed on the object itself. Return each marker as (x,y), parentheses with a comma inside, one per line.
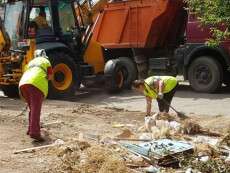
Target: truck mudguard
(193,49)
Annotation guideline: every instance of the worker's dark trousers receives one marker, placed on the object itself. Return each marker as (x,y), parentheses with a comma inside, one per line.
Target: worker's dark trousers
(34,98)
(164,103)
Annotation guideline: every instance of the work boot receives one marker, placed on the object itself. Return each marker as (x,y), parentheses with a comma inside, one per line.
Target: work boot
(37,138)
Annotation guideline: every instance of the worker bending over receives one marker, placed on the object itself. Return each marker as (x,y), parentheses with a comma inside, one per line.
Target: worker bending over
(33,87)
(161,88)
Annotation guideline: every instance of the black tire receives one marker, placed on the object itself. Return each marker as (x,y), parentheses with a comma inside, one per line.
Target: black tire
(226,79)
(10,91)
(114,76)
(63,68)
(130,71)
(205,74)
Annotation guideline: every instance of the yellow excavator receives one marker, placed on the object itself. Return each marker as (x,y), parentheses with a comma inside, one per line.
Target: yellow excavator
(16,59)
(74,56)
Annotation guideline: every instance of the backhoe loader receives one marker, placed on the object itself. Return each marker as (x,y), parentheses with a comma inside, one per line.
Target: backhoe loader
(65,41)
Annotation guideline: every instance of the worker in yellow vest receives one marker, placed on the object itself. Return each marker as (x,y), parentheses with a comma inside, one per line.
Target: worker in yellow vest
(33,87)
(161,88)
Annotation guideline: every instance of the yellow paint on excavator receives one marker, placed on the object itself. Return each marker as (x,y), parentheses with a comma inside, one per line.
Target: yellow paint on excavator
(2,41)
(94,56)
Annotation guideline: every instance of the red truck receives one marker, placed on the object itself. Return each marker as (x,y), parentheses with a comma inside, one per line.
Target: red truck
(158,37)
(205,67)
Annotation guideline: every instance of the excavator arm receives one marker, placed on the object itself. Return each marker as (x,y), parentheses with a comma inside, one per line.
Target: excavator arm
(88,10)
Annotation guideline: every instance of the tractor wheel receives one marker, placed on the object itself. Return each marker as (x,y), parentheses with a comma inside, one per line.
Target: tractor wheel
(115,74)
(205,74)
(10,91)
(130,71)
(65,78)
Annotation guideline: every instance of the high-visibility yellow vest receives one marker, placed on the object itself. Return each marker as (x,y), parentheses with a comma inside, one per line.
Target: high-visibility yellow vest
(169,83)
(36,74)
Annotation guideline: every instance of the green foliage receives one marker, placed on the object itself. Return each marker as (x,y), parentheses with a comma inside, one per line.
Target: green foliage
(215,13)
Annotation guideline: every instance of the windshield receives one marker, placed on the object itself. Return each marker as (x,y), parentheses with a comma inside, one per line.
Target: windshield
(12,21)
(66,16)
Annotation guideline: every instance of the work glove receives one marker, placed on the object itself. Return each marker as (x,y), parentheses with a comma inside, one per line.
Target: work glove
(160,96)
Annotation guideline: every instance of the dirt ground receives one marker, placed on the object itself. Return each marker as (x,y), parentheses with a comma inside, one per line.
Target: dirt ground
(65,120)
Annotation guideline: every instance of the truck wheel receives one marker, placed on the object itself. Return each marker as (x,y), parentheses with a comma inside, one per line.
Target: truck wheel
(205,74)
(65,79)
(130,71)
(226,79)
(10,91)
(114,75)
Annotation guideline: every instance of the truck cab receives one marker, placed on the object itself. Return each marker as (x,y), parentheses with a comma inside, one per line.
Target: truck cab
(206,68)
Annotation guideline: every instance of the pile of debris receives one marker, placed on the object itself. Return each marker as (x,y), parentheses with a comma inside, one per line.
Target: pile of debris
(163,144)
(79,156)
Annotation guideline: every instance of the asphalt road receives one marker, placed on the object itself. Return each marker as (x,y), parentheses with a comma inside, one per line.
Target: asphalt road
(185,100)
